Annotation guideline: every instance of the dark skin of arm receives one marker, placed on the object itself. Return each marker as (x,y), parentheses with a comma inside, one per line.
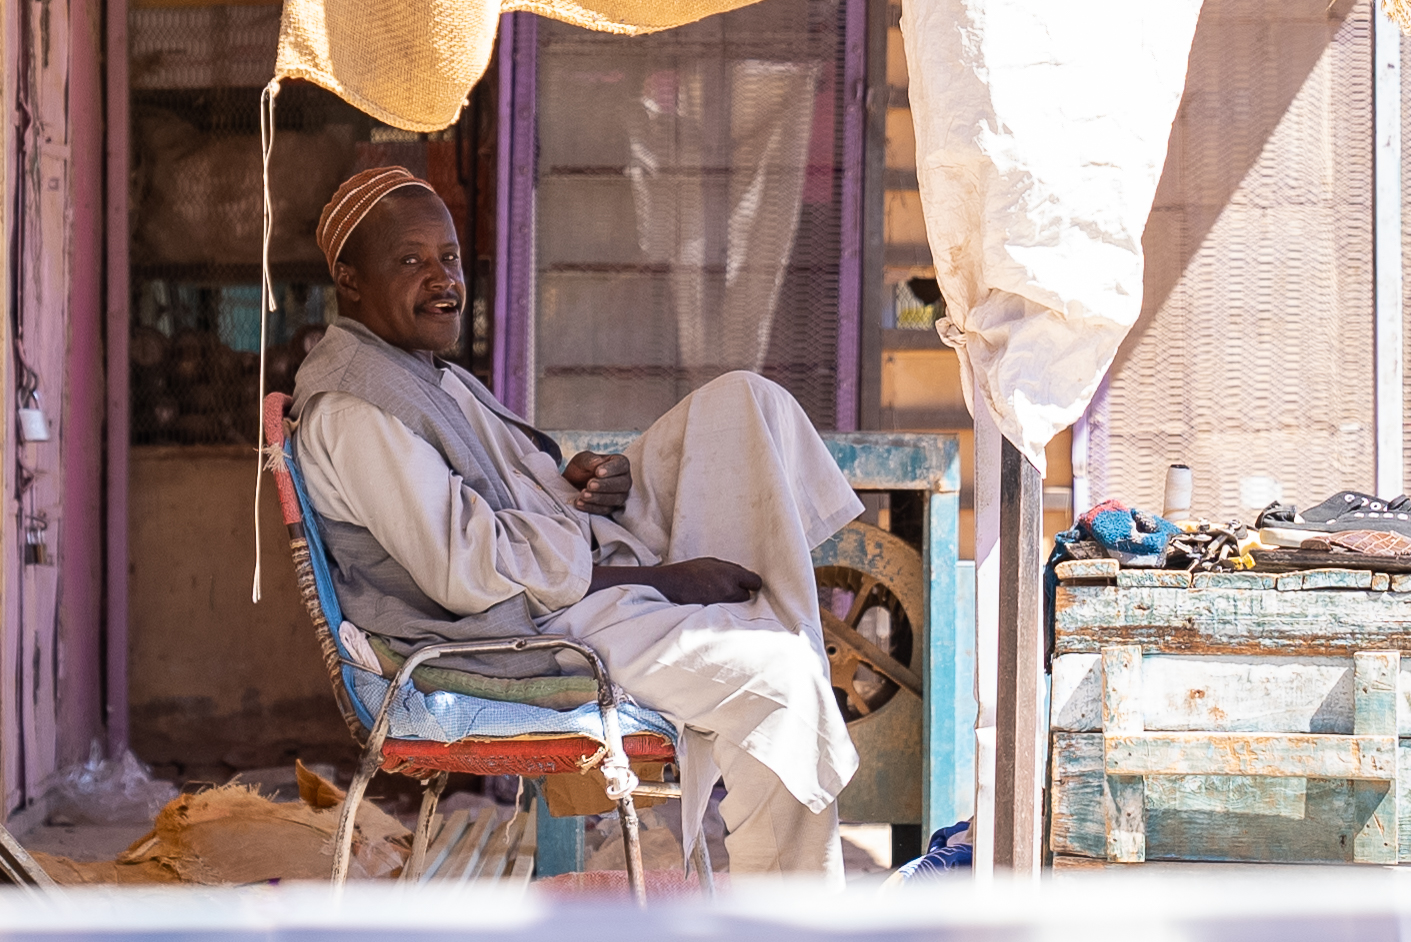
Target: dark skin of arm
(605,482)
(400,275)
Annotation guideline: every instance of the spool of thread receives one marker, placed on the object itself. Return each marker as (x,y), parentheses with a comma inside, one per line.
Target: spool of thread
(1178,493)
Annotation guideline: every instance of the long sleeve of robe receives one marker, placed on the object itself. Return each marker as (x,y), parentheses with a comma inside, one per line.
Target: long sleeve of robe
(366,468)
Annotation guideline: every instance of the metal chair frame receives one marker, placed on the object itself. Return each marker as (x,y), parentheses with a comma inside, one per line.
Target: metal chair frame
(615,755)
(622,784)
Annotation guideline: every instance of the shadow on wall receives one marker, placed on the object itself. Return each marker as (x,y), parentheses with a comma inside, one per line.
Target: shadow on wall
(1225,119)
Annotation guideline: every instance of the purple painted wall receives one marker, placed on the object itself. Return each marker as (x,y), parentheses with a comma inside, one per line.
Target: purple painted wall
(514,229)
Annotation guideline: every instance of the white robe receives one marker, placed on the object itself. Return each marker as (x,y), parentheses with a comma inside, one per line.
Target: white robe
(734,471)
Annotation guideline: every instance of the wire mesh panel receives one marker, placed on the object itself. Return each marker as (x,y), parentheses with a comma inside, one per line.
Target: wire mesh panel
(195,204)
(688,212)
(1253,362)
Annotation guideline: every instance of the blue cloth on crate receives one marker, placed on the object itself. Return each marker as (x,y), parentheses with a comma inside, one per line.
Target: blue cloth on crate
(1133,537)
(441,716)
(940,857)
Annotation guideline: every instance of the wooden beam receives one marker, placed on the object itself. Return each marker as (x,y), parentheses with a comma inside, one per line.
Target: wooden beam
(1321,623)
(1124,796)
(1374,692)
(1369,758)
(1018,719)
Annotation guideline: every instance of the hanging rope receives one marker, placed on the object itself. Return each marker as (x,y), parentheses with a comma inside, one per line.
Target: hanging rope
(267,304)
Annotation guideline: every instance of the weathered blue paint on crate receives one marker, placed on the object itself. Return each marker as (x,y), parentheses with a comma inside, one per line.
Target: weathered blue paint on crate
(560,847)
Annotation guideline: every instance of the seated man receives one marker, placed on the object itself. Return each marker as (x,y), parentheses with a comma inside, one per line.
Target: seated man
(685,563)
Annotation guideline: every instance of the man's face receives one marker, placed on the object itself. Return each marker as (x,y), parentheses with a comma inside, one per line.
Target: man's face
(400,274)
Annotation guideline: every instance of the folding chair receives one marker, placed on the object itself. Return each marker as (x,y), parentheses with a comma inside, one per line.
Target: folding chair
(430,761)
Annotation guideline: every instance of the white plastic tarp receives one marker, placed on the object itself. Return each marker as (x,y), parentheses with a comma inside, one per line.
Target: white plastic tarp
(1041,131)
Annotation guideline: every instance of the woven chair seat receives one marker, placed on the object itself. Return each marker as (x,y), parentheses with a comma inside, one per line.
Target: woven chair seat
(532,756)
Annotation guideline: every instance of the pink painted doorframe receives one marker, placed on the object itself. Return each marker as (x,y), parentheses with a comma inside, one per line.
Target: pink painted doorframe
(80,674)
(118,435)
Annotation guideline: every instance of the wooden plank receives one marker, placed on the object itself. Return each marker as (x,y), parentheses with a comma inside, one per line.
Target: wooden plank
(1124,810)
(884,461)
(1374,681)
(1072,569)
(1232,580)
(1375,677)
(1153,578)
(1124,796)
(1018,746)
(1281,754)
(1223,694)
(465,855)
(1122,689)
(498,858)
(1289,560)
(1377,840)
(444,842)
(523,870)
(1224,621)
(1204,818)
(1337,579)
(1403,802)
(1064,863)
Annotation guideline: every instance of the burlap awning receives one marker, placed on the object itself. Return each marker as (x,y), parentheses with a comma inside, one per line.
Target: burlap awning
(411,63)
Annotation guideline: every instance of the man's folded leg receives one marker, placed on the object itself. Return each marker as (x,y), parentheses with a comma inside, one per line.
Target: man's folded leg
(742,688)
(768,830)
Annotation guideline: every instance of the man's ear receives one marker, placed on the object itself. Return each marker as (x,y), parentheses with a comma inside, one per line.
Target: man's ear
(345,277)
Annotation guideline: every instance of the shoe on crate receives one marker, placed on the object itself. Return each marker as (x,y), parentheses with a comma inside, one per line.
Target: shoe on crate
(1282,525)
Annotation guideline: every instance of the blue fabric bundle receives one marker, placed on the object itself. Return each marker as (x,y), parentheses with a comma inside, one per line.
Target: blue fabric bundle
(1132,537)
(940,856)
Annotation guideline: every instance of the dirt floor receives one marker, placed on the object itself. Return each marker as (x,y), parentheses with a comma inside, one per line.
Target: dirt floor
(866,847)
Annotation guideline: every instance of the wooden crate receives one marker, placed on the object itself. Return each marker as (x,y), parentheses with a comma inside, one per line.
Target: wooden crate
(1245,718)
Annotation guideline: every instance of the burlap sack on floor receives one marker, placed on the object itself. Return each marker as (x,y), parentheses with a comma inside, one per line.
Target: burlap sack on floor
(411,63)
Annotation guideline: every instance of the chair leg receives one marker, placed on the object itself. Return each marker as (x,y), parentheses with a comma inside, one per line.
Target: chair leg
(700,860)
(632,844)
(416,863)
(343,841)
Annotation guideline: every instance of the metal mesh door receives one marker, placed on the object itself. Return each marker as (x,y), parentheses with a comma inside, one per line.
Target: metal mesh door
(688,212)
(196,75)
(1253,362)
